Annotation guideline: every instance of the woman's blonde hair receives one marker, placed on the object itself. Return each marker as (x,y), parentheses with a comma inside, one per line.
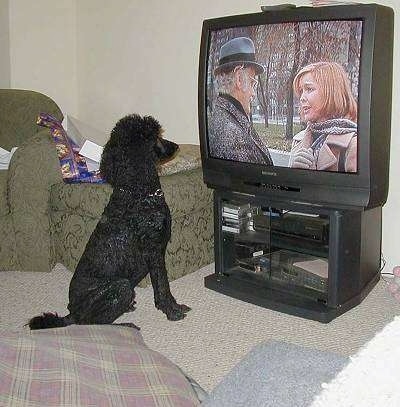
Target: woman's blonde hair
(334,83)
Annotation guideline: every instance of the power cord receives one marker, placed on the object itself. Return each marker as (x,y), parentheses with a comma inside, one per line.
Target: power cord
(383,264)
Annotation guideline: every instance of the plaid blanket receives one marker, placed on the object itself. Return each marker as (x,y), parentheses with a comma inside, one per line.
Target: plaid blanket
(82,365)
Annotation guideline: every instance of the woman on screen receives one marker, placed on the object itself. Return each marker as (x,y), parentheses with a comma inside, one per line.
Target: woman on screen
(329,109)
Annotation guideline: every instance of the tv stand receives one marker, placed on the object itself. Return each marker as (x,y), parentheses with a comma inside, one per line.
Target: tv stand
(311,261)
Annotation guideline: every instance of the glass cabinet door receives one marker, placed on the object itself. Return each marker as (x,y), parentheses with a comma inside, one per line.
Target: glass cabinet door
(276,248)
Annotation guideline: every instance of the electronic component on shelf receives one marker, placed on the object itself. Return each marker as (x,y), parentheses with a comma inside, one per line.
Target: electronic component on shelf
(301,270)
(315,228)
(256,264)
(236,218)
(261,223)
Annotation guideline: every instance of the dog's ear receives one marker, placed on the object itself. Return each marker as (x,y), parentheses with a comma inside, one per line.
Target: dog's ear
(109,162)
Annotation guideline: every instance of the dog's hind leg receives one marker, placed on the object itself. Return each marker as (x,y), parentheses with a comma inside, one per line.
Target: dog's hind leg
(101,301)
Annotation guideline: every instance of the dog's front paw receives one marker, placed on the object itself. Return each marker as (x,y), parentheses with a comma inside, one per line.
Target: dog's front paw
(184,308)
(174,314)
(172,310)
(177,312)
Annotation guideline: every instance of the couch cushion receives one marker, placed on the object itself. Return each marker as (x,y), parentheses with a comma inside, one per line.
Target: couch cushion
(188,158)
(184,191)
(80,199)
(18,112)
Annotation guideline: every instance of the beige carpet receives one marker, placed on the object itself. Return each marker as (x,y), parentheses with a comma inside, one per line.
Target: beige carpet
(218,331)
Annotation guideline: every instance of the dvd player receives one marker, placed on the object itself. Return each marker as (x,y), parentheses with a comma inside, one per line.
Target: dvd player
(314,228)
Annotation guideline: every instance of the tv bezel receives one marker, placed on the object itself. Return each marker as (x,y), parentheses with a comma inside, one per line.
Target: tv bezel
(366,188)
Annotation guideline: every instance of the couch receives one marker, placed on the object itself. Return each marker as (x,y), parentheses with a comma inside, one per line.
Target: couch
(18,112)
(44,221)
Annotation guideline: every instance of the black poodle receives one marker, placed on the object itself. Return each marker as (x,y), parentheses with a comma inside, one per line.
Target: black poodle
(131,237)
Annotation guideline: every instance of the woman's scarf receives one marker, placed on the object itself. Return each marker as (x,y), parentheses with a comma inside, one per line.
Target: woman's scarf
(320,131)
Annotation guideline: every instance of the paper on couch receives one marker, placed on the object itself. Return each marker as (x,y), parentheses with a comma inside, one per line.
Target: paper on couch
(5,157)
(89,139)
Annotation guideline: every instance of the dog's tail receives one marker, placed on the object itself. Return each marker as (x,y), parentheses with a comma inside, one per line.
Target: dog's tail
(50,320)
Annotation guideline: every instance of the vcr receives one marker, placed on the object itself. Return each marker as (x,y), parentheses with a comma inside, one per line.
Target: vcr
(289,224)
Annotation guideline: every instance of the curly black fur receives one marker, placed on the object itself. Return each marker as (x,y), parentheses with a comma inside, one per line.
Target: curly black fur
(131,237)
(49,319)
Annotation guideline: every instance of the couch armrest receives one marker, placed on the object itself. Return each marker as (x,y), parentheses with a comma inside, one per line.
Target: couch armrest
(3,193)
(19,110)
(34,167)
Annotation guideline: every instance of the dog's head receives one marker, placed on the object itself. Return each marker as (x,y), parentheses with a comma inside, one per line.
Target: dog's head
(137,140)
(143,134)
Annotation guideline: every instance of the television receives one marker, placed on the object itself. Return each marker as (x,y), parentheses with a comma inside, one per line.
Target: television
(296,103)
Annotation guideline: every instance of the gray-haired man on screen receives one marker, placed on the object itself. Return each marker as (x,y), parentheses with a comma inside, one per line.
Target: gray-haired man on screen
(232,135)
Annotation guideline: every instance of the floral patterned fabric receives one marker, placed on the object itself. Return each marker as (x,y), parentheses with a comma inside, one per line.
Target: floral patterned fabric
(184,194)
(18,112)
(8,257)
(75,210)
(44,221)
(3,192)
(53,220)
(33,169)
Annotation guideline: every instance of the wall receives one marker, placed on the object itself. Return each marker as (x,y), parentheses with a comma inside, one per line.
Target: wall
(43,49)
(101,60)
(142,56)
(4,45)
(137,56)
(391,213)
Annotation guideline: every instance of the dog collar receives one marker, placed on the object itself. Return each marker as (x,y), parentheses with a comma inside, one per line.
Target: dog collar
(157,193)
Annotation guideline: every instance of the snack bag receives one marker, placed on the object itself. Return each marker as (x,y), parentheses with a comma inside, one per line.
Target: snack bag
(73,165)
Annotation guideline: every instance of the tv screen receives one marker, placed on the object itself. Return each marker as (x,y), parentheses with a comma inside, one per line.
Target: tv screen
(296,103)
(285,94)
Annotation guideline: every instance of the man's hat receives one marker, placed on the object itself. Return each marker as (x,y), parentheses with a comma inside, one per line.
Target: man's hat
(238,51)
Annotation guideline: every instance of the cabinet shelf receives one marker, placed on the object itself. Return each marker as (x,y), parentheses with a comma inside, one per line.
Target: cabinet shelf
(274,281)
